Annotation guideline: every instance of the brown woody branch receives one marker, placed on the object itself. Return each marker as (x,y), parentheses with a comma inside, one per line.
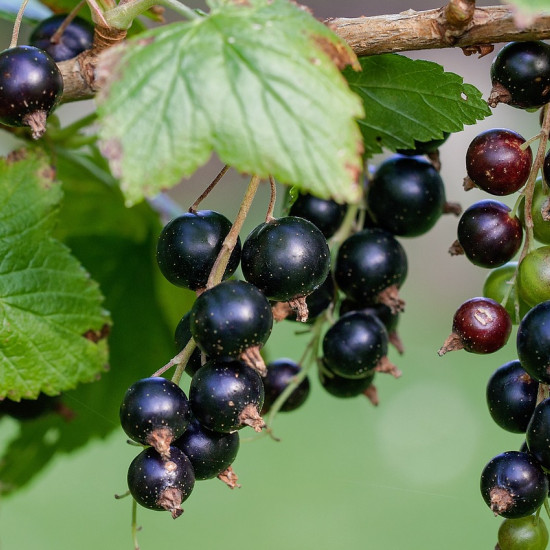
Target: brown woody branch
(423,30)
(458,24)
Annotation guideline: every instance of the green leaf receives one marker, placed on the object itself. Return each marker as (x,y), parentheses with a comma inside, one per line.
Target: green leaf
(34,11)
(52,320)
(256,83)
(121,258)
(407,99)
(529,6)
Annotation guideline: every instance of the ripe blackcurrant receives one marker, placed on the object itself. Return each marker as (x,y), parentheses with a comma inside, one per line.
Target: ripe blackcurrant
(210,453)
(512,397)
(370,266)
(488,234)
(287,259)
(513,484)
(188,246)
(280,373)
(230,319)
(31,86)
(77,37)
(160,484)
(480,325)
(227,395)
(538,432)
(533,342)
(345,388)
(496,162)
(154,411)
(406,196)
(520,75)
(325,214)
(355,345)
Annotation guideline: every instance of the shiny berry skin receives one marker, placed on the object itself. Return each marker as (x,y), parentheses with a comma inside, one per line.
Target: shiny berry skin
(210,453)
(355,344)
(512,397)
(513,484)
(280,373)
(496,163)
(538,432)
(533,342)
(286,258)
(344,388)
(154,409)
(527,533)
(160,484)
(497,286)
(182,335)
(30,84)
(489,235)
(230,318)
(389,319)
(521,71)
(77,37)
(406,196)
(188,246)
(325,214)
(481,325)
(533,281)
(369,262)
(227,395)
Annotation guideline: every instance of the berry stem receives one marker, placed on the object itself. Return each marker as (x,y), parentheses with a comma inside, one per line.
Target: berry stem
(179,360)
(547,507)
(17,24)
(206,192)
(272,199)
(56,36)
(135,527)
(218,269)
(121,16)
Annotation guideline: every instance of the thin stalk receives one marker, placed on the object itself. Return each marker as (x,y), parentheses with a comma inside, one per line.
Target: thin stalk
(206,192)
(547,507)
(272,199)
(17,24)
(135,527)
(56,36)
(216,274)
(179,360)
(121,16)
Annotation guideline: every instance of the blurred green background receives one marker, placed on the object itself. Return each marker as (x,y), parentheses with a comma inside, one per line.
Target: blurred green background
(404,475)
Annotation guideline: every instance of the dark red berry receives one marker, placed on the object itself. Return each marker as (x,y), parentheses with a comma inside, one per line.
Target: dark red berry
(31,86)
(77,37)
(160,484)
(154,411)
(496,162)
(480,325)
(406,196)
(520,75)
(488,234)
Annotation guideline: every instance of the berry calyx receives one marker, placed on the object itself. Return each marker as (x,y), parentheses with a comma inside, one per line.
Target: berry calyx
(31,86)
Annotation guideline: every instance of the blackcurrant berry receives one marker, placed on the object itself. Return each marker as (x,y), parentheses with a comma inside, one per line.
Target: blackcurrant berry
(31,86)
(230,319)
(210,453)
(370,266)
(538,433)
(345,388)
(533,280)
(281,373)
(154,411)
(77,37)
(406,196)
(480,325)
(488,234)
(496,162)
(533,342)
(512,397)
(287,259)
(527,533)
(355,344)
(189,245)
(513,484)
(227,395)
(160,484)
(182,336)
(425,147)
(325,214)
(520,75)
